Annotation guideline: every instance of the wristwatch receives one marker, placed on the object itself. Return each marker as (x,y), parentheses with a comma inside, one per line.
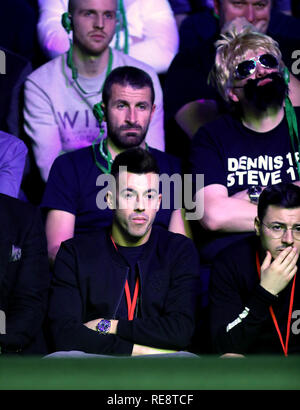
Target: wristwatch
(103,326)
(254,192)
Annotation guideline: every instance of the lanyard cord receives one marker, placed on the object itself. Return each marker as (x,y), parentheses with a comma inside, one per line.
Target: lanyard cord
(130,304)
(293,129)
(107,157)
(122,16)
(284,346)
(74,77)
(291,120)
(75,72)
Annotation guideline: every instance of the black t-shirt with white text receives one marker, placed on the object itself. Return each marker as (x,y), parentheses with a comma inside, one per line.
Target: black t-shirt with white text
(229,154)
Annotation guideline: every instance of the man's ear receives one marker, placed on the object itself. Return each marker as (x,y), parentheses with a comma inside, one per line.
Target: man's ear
(257,226)
(110,200)
(103,107)
(159,201)
(152,111)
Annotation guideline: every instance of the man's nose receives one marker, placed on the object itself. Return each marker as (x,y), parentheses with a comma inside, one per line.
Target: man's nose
(260,70)
(130,116)
(288,237)
(98,21)
(139,203)
(250,13)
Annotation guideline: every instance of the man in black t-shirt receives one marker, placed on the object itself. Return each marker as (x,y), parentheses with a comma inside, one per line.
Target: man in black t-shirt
(129,289)
(241,153)
(255,297)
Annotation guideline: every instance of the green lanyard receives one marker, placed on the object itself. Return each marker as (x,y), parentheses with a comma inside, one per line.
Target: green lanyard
(106,155)
(75,71)
(293,129)
(291,120)
(122,13)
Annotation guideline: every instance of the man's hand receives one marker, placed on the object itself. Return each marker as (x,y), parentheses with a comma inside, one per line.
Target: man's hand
(232,356)
(275,276)
(238,24)
(139,350)
(93,325)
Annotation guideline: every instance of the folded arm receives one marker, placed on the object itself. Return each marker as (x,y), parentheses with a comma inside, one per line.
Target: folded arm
(66,312)
(226,214)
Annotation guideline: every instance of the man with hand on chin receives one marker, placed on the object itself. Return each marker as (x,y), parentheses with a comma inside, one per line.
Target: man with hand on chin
(255,297)
(128,289)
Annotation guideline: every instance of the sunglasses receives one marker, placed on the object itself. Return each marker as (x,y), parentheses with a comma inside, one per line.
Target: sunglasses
(248,67)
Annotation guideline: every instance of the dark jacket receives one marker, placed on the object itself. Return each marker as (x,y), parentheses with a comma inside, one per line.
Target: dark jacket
(89,283)
(24,276)
(240,318)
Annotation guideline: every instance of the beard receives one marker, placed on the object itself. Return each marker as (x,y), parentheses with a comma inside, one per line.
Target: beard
(269,95)
(127,136)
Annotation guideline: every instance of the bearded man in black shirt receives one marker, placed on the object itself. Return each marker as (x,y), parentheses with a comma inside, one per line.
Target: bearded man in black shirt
(255,146)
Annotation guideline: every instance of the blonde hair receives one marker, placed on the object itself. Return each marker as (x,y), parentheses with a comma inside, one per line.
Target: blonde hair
(232,49)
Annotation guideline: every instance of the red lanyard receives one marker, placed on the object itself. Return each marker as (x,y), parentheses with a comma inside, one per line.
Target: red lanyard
(130,304)
(284,347)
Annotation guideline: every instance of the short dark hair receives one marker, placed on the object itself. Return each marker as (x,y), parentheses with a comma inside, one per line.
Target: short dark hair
(127,75)
(71,6)
(137,161)
(283,195)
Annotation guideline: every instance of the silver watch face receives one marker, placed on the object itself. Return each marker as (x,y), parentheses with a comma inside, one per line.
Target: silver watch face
(254,197)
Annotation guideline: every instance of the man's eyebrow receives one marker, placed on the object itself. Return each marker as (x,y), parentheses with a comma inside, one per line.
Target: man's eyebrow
(127,102)
(150,190)
(134,191)
(120,101)
(128,189)
(283,223)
